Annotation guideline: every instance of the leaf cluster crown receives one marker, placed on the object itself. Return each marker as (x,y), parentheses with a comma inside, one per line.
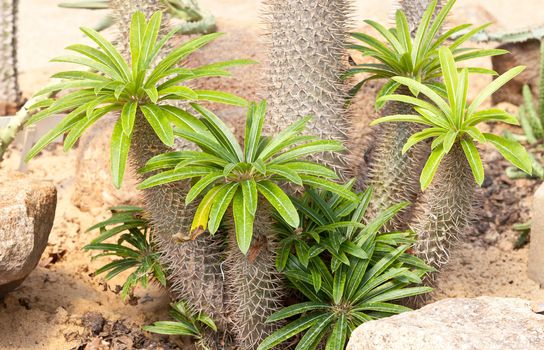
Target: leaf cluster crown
(229,174)
(349,271)
(417,58)
(141,85)
(451,119)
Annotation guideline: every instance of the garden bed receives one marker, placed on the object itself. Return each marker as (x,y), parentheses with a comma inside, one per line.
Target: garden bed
(62,306)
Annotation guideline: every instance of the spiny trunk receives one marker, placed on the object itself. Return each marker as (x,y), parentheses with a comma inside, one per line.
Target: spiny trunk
(395,176)
(414,9)
(306,50)
(445,210)
(255,288)
(443,214)
(194,266)
(10,95)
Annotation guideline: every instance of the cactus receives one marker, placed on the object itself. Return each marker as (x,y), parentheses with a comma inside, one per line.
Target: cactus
(454,166)
(517,36)
(194,19)
(445,210)
(306,47)
(393,175)
(10,95)
(255,288)
(194,266)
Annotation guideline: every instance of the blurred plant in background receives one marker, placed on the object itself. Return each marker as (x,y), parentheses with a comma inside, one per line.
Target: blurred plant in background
(195,20)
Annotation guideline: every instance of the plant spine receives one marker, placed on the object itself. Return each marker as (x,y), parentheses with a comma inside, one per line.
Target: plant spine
(10,94)
(445,210)
(393,175)
(306,53)
(194,266)
(255,288)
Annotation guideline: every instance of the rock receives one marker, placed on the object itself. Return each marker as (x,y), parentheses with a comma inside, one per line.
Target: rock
(456,324)
(93,187)
(94,322)
(525,53)
(536,246)
(27,211)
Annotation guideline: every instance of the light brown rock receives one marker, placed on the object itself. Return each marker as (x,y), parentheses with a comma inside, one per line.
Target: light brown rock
(526,53)
(536,247)
(483,323)
(27,211)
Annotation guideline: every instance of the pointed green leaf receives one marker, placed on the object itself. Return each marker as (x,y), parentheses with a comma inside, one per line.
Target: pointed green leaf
(120,144)
(243,222)
(473,157)
(280,201)
(512,151)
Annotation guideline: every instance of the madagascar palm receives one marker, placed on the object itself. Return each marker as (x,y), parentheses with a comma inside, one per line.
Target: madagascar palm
(306,42)
(187,323)
(454,162)
(347,271)
(134,249)
(413,54)
(141,86)
(239,175)
(245,179)
(10,95)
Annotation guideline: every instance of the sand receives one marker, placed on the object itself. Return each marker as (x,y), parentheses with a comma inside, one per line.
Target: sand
(47,311)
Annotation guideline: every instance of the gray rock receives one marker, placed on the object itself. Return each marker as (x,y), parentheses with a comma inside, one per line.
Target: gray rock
(27,211)
(536,247)
(483,323)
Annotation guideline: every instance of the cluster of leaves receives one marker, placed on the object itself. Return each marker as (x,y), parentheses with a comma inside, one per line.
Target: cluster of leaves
(228,174)
(187,322)
(449,119)
(349,271)
(134,249)
(139,86)
(416,58)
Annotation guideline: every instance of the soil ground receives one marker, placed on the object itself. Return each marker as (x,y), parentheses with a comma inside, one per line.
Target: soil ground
(62,306)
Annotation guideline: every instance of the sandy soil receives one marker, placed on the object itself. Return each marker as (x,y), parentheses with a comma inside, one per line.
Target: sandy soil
(50,310)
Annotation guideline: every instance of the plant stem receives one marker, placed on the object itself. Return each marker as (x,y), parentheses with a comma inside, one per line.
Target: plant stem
(10,94)
(306,52)
(445,210)
(255,288)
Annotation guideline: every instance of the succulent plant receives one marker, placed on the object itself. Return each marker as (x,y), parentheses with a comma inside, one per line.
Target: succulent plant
(139,88)
(532,122)
(238,175)
(454,166)
(194,19)
(134,249)
(141,81)
(245,179)
(187,323)
(306,45)
(412,54)
(10,94)
(348,271)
